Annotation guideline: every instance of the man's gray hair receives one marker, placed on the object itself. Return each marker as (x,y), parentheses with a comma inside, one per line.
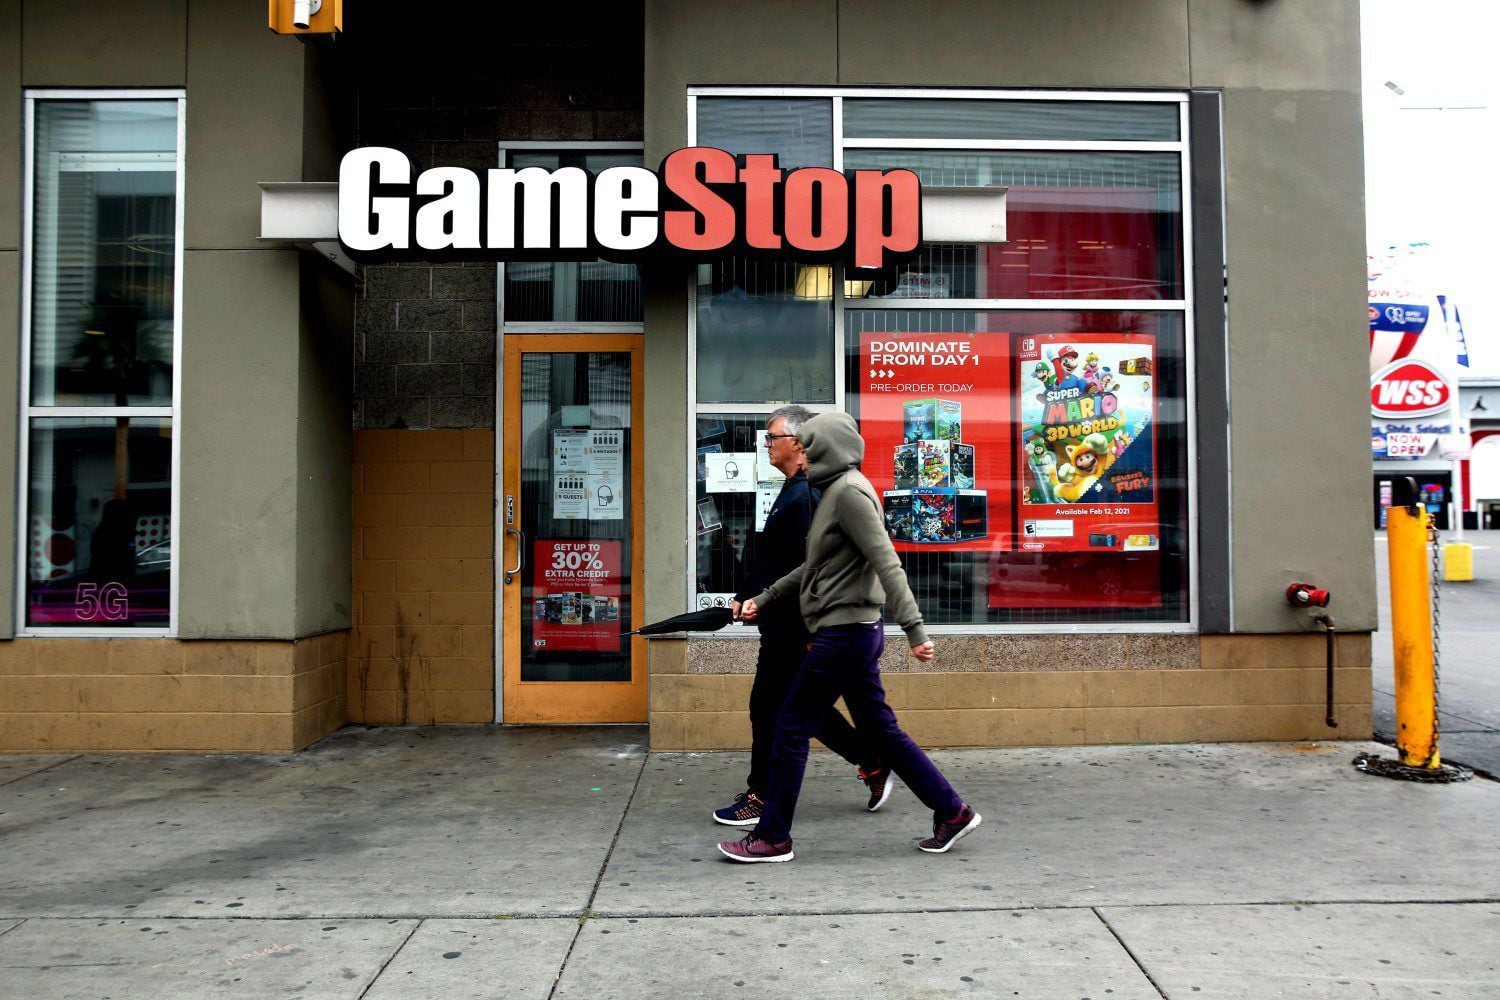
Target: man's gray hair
(794,415)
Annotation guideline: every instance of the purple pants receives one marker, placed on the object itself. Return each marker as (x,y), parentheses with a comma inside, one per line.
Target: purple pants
(843,660)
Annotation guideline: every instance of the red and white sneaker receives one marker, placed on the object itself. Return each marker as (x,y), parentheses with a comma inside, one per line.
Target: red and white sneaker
(947,832)
(752,850)
(880,784)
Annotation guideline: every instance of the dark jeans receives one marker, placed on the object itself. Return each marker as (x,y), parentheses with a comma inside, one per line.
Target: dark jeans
(843,660)
(781,654)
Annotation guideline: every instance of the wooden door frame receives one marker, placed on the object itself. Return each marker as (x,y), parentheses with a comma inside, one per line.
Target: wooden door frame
(581,702)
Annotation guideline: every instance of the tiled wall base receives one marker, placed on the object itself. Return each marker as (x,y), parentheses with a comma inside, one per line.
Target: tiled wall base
(167,695)
(1174,690)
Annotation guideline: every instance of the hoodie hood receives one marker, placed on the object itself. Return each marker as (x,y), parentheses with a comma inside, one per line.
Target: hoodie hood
(833,447)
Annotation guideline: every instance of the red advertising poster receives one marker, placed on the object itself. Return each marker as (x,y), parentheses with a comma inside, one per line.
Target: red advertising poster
(935,415)
(576,595)
(1086,469)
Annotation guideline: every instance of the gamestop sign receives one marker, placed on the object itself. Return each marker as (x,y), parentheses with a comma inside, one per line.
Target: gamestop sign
(1407,389)
(701,202)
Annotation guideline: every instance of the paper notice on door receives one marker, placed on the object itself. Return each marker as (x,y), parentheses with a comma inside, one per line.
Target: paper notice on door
(570,498)
(606,453)
(765,499)
(731,472)
(606,498)
(765,472)
(569,451)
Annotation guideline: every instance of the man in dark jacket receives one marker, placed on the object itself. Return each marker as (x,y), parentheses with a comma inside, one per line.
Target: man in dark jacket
(781,547)
(851,571)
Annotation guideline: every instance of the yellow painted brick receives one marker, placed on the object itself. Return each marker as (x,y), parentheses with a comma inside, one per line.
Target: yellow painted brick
(318,685)
(462,609)
(1194,687)
(916,691)
(666,731)
(375,510)
(81,732)
(463,706)
(427,446)
(459,543)
(314,722)
(437,640)
(145,656)
(1122,688)
(70,656)
(463,477)
(666,656)
(396,609)
(431,509)
(374,576)
(477,510)
(477,641)
(396,543)
(376,445)
(479,445)
(716,731)
(477,576)
(274,659)
(16,657)
(211,656)
(462,673)
(427,576)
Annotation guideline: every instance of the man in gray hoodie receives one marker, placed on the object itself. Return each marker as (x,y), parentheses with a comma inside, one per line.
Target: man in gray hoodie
(850,572)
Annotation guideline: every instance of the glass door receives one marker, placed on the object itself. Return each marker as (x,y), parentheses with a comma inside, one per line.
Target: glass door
(570,515)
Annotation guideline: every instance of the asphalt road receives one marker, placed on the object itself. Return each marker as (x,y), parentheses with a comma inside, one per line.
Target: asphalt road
(1469,635)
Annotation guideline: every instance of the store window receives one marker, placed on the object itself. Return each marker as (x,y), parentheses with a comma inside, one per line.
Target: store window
(1024,404)
(99,409)
(593,291)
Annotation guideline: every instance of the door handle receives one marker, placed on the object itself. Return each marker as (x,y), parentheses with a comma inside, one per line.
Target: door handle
(520,552)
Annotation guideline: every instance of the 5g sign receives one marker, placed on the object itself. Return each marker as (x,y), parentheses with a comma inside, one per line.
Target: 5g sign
(108,602)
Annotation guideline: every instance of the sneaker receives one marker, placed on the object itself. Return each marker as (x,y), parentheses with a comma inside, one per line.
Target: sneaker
(947,832)
(745,810)
(880,784)
(751,850)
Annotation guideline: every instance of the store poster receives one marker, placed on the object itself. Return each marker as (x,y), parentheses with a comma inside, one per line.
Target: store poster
(935,413)
(576,595)
(1086,469)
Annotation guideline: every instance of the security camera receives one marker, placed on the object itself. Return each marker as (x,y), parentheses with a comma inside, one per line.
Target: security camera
(303,11)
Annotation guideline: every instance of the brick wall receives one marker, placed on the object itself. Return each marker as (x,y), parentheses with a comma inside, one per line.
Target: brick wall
(425,335)
(124,695)
(1048,690)
(422,649)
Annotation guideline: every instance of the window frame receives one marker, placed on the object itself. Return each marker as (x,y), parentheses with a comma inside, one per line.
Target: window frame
(1185,307)
(29,412)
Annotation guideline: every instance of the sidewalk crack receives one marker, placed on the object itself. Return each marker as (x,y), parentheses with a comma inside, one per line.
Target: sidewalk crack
(588,907)
(386,964)
(1133,957)
(31,774)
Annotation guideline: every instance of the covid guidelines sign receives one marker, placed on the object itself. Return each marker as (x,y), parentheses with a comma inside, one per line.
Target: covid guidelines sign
(701,202)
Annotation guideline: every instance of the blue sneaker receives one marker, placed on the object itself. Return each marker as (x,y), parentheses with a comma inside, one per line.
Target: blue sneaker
(745,810)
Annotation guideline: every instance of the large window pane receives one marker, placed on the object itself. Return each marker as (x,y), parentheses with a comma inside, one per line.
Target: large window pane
(104,249)
(926,118)
(798,130)
(99,531)
(765,332)
(1033,465)
(1078,225)
(595,291)
(736,484)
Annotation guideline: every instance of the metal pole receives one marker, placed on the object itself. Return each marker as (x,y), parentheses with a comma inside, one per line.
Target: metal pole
(1411,628)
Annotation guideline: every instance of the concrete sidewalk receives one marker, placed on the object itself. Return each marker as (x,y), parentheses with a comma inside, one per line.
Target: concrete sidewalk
(457,862)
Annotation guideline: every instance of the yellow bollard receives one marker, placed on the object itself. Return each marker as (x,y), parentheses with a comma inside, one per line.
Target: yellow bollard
(1411,634)
(1458,562)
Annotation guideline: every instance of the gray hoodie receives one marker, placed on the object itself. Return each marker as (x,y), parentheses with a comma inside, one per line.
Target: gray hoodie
(851,567)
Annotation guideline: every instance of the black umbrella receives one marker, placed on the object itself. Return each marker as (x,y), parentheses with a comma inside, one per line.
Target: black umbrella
(707,620)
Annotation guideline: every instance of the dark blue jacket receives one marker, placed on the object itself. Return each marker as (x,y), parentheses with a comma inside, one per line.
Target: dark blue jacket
(780,548)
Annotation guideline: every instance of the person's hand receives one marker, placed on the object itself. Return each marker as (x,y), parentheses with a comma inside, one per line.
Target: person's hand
(734,609)
(748,611)
(924,652)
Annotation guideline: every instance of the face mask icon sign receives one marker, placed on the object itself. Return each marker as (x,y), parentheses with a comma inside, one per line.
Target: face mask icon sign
(731,470)
(606,495)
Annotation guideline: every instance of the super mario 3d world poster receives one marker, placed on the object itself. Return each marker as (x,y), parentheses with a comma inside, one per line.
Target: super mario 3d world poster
(1086,472)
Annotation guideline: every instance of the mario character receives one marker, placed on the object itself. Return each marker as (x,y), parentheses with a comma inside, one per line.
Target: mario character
(1120,443)
(1092,456)
(1097,378)
(1044,374)
(1068,485)
(1065,367)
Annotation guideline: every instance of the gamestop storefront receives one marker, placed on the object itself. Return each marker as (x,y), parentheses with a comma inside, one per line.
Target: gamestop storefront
(401,389)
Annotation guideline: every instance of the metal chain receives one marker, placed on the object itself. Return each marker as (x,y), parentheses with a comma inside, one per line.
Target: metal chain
(1437,626)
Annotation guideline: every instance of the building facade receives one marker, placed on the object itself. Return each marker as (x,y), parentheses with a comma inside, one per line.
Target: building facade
(263,490)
